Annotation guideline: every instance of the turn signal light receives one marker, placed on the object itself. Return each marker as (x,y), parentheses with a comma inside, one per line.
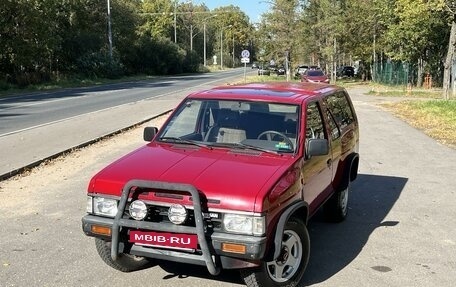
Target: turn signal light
(233,248)
(102,230)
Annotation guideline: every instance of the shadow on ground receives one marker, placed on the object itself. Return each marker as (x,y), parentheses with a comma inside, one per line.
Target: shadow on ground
(333,246)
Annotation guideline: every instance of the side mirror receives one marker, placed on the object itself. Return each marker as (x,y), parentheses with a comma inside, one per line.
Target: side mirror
(317,147)
(149,133)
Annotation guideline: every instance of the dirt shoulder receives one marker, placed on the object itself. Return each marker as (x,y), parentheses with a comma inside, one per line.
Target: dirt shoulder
(67,166)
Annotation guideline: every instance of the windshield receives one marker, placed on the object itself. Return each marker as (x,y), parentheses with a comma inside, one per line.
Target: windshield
(315,73)
(235,124)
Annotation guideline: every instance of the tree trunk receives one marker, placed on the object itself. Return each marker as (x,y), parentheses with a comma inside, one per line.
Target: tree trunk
(447,77)
(419,79)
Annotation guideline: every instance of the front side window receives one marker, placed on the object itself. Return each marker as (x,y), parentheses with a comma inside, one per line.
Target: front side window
(314,123)
(269,126)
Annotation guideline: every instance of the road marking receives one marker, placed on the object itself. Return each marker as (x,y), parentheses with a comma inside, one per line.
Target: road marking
(145,99)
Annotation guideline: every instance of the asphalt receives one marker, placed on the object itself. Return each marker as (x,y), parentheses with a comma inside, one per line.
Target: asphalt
(22,151)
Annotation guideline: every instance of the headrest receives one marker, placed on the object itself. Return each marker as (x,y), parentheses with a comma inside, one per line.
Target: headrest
(228,118)
(259,107)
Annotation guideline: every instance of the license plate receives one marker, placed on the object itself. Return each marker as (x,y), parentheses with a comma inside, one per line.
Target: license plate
(164,239)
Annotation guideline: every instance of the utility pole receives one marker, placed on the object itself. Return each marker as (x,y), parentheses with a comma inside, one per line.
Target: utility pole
(109,31)
(175,21)
(233,49)
(221,45)
(204,31)
(191,37)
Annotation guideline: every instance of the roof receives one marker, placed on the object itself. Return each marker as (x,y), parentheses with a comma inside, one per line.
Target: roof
(284,92)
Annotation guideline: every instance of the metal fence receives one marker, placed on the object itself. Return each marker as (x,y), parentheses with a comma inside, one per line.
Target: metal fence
(392,73)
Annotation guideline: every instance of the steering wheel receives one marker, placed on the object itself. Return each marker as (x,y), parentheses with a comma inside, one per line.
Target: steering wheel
(270,135)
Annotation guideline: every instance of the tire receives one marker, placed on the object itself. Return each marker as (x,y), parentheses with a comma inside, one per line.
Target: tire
(124,262)
(288,269)
(336,208)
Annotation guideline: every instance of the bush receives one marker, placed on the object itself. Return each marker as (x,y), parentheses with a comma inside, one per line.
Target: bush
(160,56)
(4,85)
(99,65)
(27,78)
(192,62)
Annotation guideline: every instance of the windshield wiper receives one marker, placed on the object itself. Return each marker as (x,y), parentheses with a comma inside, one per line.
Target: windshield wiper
(183,141)
(246,146)
(252,147)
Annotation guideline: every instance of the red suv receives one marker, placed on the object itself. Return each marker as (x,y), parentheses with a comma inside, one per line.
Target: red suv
(230,182)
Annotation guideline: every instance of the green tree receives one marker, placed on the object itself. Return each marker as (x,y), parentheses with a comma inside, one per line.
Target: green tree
(275,30)
(25,43)
(411,38)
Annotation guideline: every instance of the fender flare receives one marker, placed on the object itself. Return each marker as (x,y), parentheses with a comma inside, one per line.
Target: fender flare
(347,176)
(281,224)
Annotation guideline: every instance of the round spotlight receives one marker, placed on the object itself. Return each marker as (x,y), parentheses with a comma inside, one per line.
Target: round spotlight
(138,210)
(177,214)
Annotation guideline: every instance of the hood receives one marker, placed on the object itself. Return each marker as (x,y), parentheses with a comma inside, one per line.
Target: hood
(230,179)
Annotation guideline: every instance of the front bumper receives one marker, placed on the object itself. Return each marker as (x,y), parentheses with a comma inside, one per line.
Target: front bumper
(210,252)
(255,246)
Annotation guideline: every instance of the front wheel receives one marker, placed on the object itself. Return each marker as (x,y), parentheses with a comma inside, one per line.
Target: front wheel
(124,262)
(289,267)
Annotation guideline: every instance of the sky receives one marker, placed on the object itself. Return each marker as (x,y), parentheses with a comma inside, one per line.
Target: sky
(253,8)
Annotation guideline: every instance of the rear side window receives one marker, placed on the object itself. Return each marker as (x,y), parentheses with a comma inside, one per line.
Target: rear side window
(339,108)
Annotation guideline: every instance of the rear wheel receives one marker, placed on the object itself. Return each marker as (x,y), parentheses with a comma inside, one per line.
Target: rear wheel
(124,262)
(289,267)
(336,208)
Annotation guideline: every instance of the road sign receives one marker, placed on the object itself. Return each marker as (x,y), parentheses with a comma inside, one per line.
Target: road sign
(245,54)
(245,60)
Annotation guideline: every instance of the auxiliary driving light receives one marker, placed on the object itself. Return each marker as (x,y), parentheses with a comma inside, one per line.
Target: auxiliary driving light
(177,214)
(138,210)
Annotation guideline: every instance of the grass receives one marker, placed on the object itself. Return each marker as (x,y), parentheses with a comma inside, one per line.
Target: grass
(403,91)
(423,109)
(436,118)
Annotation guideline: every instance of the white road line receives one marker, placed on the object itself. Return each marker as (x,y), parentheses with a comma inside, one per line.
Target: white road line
(73,117)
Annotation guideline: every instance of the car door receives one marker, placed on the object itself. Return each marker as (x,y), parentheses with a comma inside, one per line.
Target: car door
(340,120)
(316,170)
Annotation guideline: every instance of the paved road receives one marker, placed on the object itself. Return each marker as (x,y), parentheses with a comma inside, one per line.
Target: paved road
(401,230)
(37,126)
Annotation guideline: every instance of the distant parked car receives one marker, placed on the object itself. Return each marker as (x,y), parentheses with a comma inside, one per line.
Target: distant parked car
(345,71)
(254,66)
(314,76)
(263,71)
(280,71)
(300,71)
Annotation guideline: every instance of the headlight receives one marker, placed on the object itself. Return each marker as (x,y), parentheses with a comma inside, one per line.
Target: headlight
(138,210)
(177,214)
(244,224)
(103,206)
